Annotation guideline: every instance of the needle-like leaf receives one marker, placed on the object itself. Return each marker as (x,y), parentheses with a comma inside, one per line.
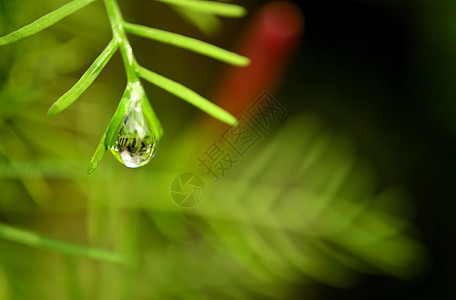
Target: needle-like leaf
(116,122)
(44,22)
(35,240)
(207,24)
(110,135)
(188,95)
(152,118)
(98,155)
(210,7)
(148,111)
(188,43)
(86,80)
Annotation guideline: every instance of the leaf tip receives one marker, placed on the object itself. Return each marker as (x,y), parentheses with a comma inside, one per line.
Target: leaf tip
(91,169)
(56,107)
(52,111)
(244,61)
(93,165)
(98,155)
(242,11)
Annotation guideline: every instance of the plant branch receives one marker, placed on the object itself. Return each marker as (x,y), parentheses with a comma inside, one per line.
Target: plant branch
(117,25)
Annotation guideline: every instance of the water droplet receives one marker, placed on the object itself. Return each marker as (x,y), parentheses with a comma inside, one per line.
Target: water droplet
(136,143)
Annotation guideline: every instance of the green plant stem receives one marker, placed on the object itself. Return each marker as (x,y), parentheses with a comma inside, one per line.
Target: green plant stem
(34,240)
(117,24)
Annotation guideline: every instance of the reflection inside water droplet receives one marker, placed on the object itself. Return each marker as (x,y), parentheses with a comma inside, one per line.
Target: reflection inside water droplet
(136,143)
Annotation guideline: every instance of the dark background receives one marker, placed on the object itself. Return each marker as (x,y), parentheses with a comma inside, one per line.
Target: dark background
(383,71)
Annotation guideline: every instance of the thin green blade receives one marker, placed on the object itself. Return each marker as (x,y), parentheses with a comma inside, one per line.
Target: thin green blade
(110,135)
(152,118)
(210,7)
(188,95)
(188,43)
(98,155)
(86,80)
(44,22)
(116,122)
(207,24)
(37,241)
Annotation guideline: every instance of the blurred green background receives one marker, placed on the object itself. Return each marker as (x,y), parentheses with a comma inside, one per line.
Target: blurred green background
(349,197)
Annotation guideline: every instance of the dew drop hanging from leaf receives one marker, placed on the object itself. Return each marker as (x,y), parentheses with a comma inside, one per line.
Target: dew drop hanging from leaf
(136,142)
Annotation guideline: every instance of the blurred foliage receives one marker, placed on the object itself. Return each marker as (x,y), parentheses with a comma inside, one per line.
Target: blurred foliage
(134,91)
(301,207)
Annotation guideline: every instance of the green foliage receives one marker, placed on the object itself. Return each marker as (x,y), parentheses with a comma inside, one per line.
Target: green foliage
(44,22)
(187,43)
(98,155)
(34,240)
(209,7)
(312,213)
(187,95)
(207,24)
(299,208)
(86,80)
(133,70)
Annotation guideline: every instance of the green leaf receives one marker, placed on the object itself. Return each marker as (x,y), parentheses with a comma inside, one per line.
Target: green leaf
(149,113)
(188,95)
(98,155)
(152,118)
(116,121)
(86,80)
(209,25)
(44,22)
(188,43)
(35,240)
(210,7)
(110,135)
